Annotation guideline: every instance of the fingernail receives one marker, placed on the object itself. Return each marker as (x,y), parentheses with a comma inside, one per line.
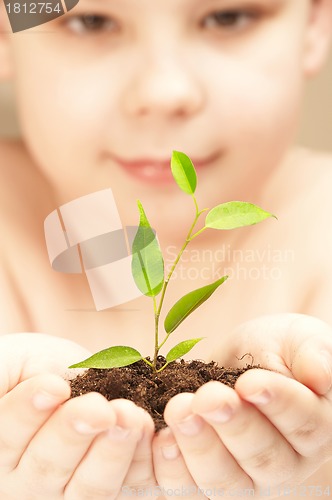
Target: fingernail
(118,433)
(261,397)
(326,360)
(83,427)
(170,452)
(220,415)
(190,425)
(44,401)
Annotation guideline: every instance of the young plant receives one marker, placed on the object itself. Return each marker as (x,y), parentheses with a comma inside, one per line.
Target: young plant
(148,271)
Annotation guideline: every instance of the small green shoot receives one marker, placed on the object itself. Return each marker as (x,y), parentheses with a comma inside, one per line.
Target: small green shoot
(148,271)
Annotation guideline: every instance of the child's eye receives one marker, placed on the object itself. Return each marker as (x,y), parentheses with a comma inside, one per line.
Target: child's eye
(229,19)
(90,23)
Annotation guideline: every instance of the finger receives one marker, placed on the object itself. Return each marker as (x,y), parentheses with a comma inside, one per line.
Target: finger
(141,477)
(255,444)
(310,354)
(104,467)
(172,474)
(55,451)
(23,411)
(209,462)
(25,355)
(299,414)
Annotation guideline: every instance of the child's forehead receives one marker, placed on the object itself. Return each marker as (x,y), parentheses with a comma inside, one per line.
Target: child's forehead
(141,4)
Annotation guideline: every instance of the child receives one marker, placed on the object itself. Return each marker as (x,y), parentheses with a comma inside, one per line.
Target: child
(104,95)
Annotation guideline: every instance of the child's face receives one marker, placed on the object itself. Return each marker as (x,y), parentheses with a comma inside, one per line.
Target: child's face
(220,80)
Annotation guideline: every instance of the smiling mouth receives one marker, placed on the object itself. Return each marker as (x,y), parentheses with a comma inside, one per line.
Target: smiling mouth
(157,170)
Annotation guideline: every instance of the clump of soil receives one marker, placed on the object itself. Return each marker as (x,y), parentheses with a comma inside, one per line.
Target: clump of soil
(150,390)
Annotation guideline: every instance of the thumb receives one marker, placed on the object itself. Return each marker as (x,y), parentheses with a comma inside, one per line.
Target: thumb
(296,345)
(24,355)
(308,352)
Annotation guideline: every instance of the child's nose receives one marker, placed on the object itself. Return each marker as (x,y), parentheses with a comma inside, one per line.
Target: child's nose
(163,88)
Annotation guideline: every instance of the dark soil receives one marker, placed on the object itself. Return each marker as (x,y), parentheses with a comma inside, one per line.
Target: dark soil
(151,390)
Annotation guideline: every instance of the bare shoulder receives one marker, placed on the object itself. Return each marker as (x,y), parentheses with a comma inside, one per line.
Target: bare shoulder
(319,166)
(23,190)
(25,201)
(14,231)
(301,188)
(301,178)
(315,169)
(25,198)
(310,186)
(311,225)
(16,173)
(313,172)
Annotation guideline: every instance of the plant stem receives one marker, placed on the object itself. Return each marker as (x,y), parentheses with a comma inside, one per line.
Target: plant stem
(184,246)
(198,232)
(148,363)
(163,342)
(163,367)
(188,239)
(156,334)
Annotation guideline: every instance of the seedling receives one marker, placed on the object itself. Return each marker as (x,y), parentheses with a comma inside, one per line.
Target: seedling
(148,271)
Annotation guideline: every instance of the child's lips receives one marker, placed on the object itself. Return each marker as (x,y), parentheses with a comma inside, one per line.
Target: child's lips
(157,170)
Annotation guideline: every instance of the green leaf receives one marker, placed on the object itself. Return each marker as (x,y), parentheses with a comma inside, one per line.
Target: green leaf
(113,357)
(188,303)
(147,263)
(235,214)
(181,349)
(184,172)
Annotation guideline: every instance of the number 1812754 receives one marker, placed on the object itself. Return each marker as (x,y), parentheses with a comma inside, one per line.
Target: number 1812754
(34,8)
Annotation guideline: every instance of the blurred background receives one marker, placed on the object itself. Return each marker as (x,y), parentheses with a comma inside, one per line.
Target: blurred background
(315,128)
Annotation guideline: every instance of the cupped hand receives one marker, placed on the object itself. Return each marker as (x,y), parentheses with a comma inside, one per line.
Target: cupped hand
(273,429)
(59,448)
(77,449)
(296,345)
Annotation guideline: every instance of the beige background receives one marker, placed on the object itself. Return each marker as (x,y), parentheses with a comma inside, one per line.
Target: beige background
(315,128)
